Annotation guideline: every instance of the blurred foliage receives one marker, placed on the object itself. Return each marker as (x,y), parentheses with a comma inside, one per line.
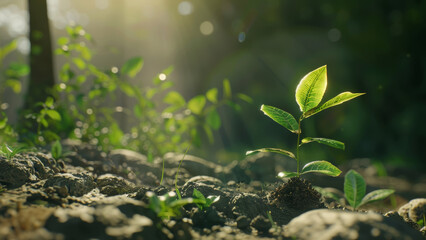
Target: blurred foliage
(85,108)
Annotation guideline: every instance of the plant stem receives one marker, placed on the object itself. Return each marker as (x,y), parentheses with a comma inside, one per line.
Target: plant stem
(297,147)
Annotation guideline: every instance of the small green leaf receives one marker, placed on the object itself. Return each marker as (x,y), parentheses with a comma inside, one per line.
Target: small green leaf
(337,100)
(14,84)
(56,150)
(282,117)
(209,133)
(79,63)
(132,66)
(4,51)
(127,88)
(62,41)
(213,119)
(326,141)
(3,122)
(198,195)
(285,174)
(53,114)
(211,199)
(354,188)
(323,167)
(212,95)
(376,196)
(227,88)
(17,70)
(196,104)
(245,97)
(273,150)
(175,99)
(311,89)
(49,102)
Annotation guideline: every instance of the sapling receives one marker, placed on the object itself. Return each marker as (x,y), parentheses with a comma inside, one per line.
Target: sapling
(9,152)
(354,188)
(309,94)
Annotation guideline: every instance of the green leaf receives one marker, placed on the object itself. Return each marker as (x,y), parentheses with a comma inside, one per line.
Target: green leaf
(326,141)
(14,84)
(4,51)
(115,134)
(285,174)
(209,133)
(245,97)
(376,195)
(17,70)
(174,98)
(273,150)
(79,63)
(49,102)
(53,114)
(127,88)
(354,188)
(213,119)
(56,150)
(323,167)
(211,199)
(132,66)
(337,100)
(196,104)
(3,122)
(282,117)
(212,95)
(311,89)
(62,41)
(198,195)
(227,89)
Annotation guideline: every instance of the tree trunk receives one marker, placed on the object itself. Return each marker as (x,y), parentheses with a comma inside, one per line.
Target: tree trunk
(41,61)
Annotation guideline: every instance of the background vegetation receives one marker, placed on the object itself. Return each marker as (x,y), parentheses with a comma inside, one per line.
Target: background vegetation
(263,48)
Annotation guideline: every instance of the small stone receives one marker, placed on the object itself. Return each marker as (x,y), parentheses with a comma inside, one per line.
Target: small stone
(261,224)
(243,222)
(77,184)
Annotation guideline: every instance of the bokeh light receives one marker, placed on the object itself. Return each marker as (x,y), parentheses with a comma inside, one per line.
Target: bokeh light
(206,28)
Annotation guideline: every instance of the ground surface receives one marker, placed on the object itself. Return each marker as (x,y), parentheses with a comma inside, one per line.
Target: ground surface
(89,194)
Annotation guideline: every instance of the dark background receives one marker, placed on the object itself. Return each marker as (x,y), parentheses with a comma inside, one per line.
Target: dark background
(376,47)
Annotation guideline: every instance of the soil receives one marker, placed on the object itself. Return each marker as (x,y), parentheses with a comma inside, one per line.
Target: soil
(89,194)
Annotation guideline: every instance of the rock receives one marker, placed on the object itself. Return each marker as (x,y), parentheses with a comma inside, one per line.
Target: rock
(243,222)
(324,224)
(247,204)
(110,185)
(77,184)
(206,218)
(128,160)
(414,210)
(110,218)
(261,224)
(26,167)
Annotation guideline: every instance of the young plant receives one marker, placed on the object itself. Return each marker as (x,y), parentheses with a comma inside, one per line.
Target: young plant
(9,152)
(168,205)
(203,201)
(354,188)
(309,94)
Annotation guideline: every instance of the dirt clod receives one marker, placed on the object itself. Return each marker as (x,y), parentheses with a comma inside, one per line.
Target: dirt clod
(298,194)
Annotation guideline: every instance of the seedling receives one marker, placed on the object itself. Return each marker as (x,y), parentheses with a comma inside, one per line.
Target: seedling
(56,150)
(309,94)
(203,201)
(168,205)
(354,188)
(9,152)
